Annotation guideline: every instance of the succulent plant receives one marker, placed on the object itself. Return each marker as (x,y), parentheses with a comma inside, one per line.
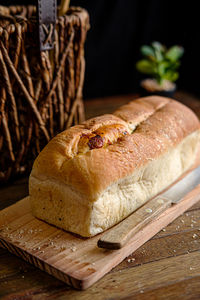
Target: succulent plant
(159,62)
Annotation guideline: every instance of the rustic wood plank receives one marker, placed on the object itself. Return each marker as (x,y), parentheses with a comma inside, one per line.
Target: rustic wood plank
(143,278)
(20,278)
(46,285)
(13,192)
(187,222)
(153,250)
(186,289)
(161,248)
(149,252)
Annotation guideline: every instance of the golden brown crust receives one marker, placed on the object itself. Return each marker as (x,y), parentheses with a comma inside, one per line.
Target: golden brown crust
(162,124)
(139,110)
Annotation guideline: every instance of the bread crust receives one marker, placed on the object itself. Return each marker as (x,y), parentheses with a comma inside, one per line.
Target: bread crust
(167,123)
(93,175)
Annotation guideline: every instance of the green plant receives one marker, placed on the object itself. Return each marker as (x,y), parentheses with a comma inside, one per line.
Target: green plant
(159,62)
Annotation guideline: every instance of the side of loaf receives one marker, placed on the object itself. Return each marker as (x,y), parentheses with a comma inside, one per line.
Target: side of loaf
(91,176)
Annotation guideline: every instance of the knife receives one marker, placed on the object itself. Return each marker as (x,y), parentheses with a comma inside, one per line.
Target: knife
(120,234)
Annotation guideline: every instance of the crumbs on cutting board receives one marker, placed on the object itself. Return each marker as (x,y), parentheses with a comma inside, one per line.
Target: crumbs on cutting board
(20,234)
(195,236)
(193,221)
(131,260)
(73,249)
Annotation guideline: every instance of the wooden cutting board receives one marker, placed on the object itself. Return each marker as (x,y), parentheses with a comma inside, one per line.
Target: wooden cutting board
(74,260)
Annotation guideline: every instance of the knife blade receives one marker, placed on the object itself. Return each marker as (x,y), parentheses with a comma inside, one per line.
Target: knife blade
(177,192)
(120,234)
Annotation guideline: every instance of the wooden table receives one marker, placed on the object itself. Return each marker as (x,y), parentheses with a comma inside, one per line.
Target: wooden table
(166,267)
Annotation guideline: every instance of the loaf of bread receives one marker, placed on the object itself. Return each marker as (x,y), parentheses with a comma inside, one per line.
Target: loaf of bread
(91,176)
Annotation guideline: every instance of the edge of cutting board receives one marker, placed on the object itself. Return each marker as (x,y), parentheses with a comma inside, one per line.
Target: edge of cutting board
(108,258)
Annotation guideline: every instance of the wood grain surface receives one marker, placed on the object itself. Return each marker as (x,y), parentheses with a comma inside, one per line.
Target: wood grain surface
(74,260)
(165,267)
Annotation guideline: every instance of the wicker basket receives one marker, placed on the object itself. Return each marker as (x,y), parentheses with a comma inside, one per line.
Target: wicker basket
(41,92)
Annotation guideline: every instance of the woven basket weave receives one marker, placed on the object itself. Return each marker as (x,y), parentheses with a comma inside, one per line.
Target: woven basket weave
(40,92)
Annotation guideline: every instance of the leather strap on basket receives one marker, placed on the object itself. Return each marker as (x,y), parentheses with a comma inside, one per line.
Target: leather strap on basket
(47,21)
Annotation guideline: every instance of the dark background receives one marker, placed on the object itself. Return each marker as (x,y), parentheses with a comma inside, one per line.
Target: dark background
(120,27)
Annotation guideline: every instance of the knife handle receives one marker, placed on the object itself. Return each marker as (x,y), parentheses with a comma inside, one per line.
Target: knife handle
(120,234)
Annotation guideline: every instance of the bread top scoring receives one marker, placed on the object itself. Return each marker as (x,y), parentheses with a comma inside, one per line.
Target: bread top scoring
(91,156)
(108,134)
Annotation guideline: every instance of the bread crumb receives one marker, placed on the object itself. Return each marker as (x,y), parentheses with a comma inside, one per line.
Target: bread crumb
(22,276)
(63,248)
(148,210)
(182,221)
(164,229)
(191,268)
(195,236)
(131,260)
(73,249)
(193,221)
(174,250)
(192,225)
(36,248)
